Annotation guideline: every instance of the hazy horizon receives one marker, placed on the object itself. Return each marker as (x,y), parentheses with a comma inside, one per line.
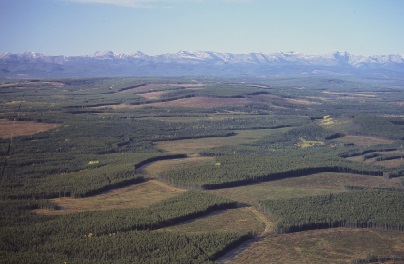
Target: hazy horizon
(82,27)
(209,51)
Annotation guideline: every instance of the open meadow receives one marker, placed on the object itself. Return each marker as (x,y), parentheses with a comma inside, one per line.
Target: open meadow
(202,170)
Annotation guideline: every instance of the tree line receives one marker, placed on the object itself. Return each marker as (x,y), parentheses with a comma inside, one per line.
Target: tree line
(118,236)
(355,209)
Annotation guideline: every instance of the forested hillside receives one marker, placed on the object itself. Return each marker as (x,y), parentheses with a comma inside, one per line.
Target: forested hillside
(184,170)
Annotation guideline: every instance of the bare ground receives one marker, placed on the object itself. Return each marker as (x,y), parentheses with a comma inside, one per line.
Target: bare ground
(314,184)
(339,245)
(192,146)
(230,220)
(275,98)
(364,141)
(134,196)
(204,102)
(151,87)
(194,102)
(9,129)
(153,95)
(385,163)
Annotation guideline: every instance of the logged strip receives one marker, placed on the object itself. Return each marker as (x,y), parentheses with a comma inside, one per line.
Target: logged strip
(218,179)
(112,171)
(9,128)
(89,238)
(174,210)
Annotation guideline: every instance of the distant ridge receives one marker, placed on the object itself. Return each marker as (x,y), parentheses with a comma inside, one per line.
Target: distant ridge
(108,63)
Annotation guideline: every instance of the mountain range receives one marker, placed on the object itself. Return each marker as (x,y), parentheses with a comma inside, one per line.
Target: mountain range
(108,63)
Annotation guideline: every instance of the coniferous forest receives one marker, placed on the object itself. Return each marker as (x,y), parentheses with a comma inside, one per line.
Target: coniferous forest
(185,170)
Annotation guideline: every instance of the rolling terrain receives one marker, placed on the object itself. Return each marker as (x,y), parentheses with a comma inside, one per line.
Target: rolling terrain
(304,169)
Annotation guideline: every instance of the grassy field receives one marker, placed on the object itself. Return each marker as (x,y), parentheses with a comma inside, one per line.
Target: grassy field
(315,184)
(193,146)
(134,196)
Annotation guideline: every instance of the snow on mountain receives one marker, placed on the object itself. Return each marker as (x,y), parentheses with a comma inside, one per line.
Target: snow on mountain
(192,57)
(199,62)
(107,54)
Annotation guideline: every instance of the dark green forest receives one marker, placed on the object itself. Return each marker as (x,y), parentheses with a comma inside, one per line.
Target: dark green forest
(358,209)
(99,135)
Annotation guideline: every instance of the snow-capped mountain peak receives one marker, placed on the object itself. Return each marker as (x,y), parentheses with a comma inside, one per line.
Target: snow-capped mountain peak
(105,54)
(203,61)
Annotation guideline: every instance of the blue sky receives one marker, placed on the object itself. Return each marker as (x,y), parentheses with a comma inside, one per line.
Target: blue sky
(81,27)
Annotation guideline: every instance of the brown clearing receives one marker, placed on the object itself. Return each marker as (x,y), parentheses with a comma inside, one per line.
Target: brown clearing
(134,196)
(116,107)
(153,95)
(364,94)
(385,163)
(391,163)
(250,85)
(337,181)
(150,87)
(352,97)
(339,245)
(321,100)
(231,220)
(192,146)
(315,184)
(214,102)
(182,119)
(16,102)
(258,86)
(10,129)
(364,141)
(275,98)
(194,89)
(351,94)
(203,102)
(194,102)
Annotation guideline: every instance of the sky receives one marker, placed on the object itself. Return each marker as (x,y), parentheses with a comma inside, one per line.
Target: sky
(82,27)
